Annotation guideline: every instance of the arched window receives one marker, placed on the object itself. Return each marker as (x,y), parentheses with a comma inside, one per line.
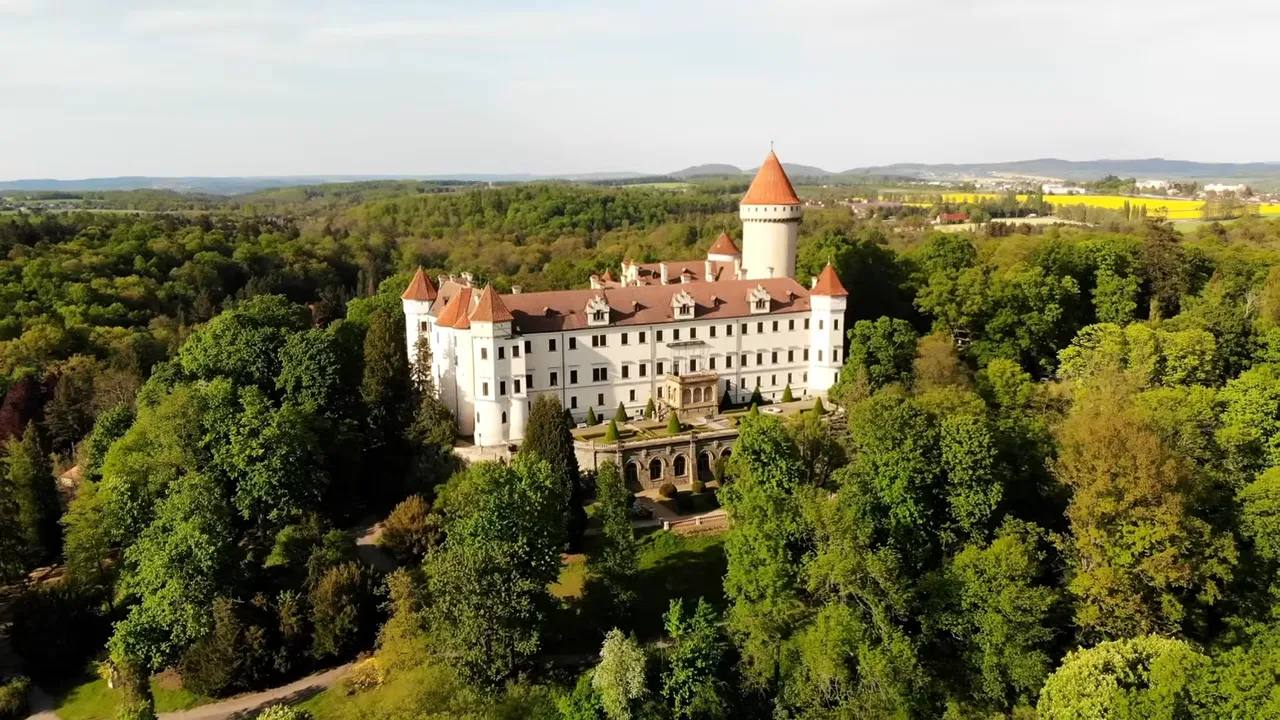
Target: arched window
(632,474)
(680,468)
(504,417)
(725,454)
(655,469)
(697,395)
(704,463)
(688,396)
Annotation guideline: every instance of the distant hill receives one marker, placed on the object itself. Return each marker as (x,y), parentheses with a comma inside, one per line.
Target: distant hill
(707,170)
(1154,168)
(799,171)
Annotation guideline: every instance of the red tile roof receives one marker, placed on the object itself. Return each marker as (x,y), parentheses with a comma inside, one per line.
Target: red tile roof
(456,309)
(421,288)
(829,283)
(490,308)
(650,304)
(771,186)
(723,246)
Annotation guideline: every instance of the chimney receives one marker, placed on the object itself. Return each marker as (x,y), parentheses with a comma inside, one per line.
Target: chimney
(516,289)
(737,268)
(686,277)
(466,278)
(662,267)
(711,276)
(595,282)
(440,279)
(813,282)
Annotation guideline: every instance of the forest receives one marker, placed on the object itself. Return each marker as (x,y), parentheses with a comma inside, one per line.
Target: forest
(1047,484)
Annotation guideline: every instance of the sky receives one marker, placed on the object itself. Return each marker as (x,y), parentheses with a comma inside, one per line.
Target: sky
(95,88)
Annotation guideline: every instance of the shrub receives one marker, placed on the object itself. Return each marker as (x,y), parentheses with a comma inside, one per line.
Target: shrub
(673,423)
(411,530)
(13,698)
(818,408)
(284,712)
(786,394)
(592,418)
(136,710)
(698,487)
(667,490)
(611,435)
(340,611)
(621,415)
(365,675)
(58,629)
(649,410)
(756,397)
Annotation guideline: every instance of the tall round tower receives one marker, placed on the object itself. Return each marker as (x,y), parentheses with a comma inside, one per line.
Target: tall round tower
(770,213)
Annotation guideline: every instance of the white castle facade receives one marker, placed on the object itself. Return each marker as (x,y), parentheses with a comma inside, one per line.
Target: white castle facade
(680,333)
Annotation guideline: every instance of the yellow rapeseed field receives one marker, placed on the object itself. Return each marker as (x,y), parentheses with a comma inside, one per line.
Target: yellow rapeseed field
(1171,208)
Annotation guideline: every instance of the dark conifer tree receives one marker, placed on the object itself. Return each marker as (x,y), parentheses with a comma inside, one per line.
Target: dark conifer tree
(549,436)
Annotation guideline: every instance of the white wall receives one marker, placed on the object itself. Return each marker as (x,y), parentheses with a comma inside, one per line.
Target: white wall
(769,234)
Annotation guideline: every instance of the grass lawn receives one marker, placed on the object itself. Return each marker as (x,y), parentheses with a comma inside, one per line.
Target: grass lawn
(573,577)
(677,566)
(91,699)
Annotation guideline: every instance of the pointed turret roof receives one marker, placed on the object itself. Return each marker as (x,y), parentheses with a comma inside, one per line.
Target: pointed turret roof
(421,288)
(455,310)
(828,283)
(723,246)
(490,308)
(771,186)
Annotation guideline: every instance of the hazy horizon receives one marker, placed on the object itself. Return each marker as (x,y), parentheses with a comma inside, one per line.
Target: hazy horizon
(279,88)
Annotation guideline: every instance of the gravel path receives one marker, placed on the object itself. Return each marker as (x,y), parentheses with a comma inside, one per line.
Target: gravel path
(246,706)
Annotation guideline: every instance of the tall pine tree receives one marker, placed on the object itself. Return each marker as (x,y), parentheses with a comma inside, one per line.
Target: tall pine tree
(434,429)
(549,436)
(35,493)
(388,400)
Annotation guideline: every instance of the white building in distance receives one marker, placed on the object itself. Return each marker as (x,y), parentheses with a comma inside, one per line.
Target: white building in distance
(1221,188)
(737,321)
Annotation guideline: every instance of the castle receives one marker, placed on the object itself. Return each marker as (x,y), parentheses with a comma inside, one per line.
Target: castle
(680,333)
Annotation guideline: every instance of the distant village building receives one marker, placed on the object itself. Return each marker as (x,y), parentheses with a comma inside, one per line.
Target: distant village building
(682,333)
(949,218)
(1223,189)
(1153,184)
(1057,189)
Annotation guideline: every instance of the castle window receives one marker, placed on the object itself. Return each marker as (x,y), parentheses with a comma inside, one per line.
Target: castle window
(805,376)
(504,417)
(693,365)
(835,355)
(633,396)
(600,399)
(759,328)
(713,364)
(791,356)
(551,345)
(528,346)
(788,378)
(484,389)
(791,324)
(573,402)
(573,343)
(528,381)
(484,353)
(599,316)
(744,360)
(819,356)
(728,362)
(644,369)
(744,328)
(624,338)
(686,310)
(758,378)
(424,326)
(659,335)
(642,336)
(806,354)
(555,379)
(820,324)
(773,357)
(675,367)
(759,358)
(693,333)
(502,353)
(762,304)
(835,324)
(675,335)
(712,330)
(517,385)
(806,323)
(573,375)
(502,388)
(773,380)
(659,367)
(728,331)
(775,326)
(626,371)
(515,351)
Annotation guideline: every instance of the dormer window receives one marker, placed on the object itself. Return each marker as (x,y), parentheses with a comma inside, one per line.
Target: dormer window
(759,301)
(682,304)
(597,311)
(686,310)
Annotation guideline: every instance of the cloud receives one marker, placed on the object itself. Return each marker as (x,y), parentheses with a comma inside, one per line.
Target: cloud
(16,7)
(491,25)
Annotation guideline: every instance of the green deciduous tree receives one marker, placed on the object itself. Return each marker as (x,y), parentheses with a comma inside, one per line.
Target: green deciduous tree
(488,584)
(410,530)
(619,678)
(883,351)
(1143,677)
(549,437)
(691,682)
(616,561)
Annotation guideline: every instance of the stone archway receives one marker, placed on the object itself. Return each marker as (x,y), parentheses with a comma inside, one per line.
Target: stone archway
(632,474)
(704,464)
(680,466)
(655,469)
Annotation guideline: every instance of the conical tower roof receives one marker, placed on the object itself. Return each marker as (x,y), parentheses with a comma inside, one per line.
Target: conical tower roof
(829,283)
(490,308)
(420,288)
(771,186)
(723,246)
